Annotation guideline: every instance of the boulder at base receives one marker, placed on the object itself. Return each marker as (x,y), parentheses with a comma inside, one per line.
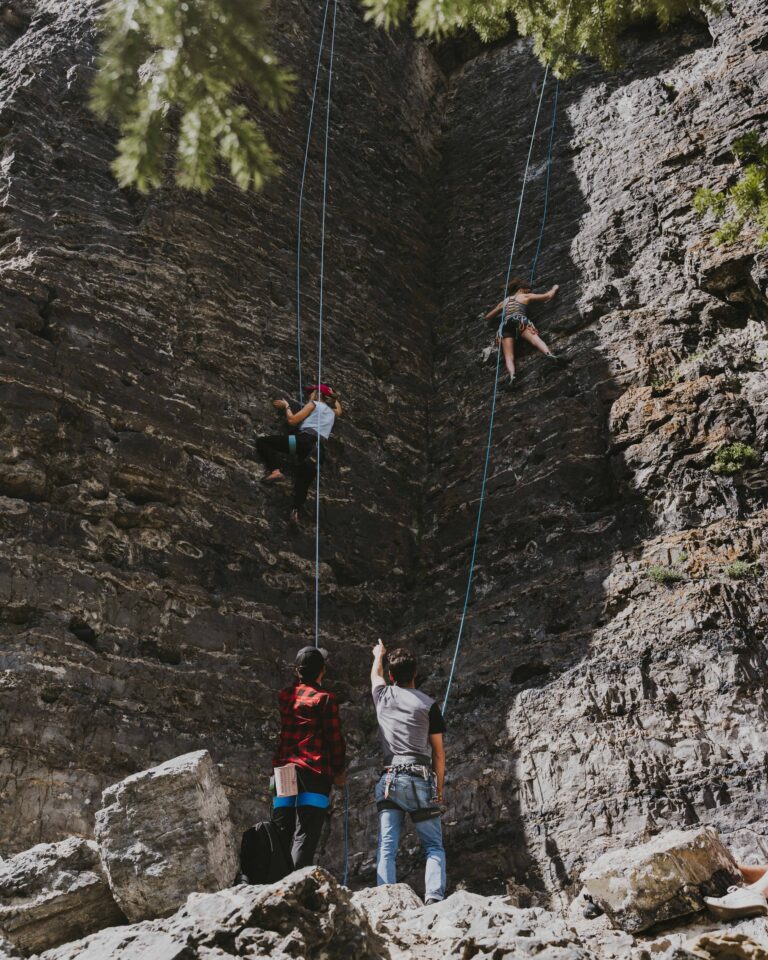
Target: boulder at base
(665,878)
(52,893)
(307,915)
(165,833)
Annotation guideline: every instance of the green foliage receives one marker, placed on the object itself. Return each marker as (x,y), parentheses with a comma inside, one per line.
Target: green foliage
(744,201)
(562,30)
(741,570)
(665,575)
(734,457)
(170,74)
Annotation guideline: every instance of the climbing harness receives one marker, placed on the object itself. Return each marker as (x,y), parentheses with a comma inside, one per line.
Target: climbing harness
(489,439)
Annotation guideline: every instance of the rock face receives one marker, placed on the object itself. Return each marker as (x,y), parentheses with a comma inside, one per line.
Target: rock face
(165,833)
(308,915)
(663,879)
(151,595)
(53,893)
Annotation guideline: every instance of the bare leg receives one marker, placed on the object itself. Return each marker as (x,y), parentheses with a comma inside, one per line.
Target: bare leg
(508,346)
(535,341)
(756,877)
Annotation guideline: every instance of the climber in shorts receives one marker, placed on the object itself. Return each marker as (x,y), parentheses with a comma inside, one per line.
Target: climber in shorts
(411,728)
(315,421)
(516,323)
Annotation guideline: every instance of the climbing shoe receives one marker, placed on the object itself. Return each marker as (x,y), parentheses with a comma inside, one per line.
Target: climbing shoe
(557,359)
(431,901)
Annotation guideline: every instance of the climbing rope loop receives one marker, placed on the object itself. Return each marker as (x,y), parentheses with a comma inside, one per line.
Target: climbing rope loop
(489,439)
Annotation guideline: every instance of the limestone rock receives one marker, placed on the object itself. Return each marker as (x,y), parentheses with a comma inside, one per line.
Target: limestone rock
(723,945)
(165,833)
(308,915)
(667,877)
(8,951)
(386,903)
(466,924)
(53,893)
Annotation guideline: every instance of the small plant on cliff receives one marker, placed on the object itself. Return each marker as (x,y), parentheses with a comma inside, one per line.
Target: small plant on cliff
(562,30)
(171,74)
(746,200)
(734,457)
(741,570)
(661,574)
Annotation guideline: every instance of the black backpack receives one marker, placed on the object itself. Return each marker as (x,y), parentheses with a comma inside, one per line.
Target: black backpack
(262,856)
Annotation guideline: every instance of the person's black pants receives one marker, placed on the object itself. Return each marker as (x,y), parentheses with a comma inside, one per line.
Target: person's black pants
(271,449)
(300,826)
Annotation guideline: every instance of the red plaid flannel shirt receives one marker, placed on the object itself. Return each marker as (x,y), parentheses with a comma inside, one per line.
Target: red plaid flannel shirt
(310,733)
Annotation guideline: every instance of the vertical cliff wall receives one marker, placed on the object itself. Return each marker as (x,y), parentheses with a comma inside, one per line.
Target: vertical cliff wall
(595,705)
(152,591)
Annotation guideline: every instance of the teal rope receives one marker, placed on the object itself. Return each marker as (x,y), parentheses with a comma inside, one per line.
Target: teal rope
(546,185)
(484,485)
(301,196)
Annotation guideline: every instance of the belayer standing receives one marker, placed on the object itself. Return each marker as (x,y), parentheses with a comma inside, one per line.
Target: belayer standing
(315,421)
(516,323)
(411,728)
(311,740)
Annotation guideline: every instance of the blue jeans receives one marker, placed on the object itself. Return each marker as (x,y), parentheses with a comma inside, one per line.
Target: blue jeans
(410,794)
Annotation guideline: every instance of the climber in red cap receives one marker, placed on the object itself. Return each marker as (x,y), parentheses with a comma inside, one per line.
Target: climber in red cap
(315,421)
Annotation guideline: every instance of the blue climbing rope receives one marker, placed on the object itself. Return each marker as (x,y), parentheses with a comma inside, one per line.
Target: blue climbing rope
(550,146)
(486,464)
(321,315)
(345,878)
(301,196)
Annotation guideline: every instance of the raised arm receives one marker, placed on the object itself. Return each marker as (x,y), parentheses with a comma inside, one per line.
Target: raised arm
(377,670)
(534,297)
(294,419)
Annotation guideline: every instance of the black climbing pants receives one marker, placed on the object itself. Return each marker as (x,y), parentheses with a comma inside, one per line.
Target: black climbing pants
(271,449)
(300,827)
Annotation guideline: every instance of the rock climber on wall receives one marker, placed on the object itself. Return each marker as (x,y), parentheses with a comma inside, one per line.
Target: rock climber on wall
(315,421)
(516,323)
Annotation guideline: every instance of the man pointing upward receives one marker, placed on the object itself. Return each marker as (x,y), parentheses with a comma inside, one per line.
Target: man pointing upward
(411,728)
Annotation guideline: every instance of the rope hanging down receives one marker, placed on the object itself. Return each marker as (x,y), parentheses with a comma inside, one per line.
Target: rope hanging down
(310,124)
(498,358)
(320,317)
(321,307)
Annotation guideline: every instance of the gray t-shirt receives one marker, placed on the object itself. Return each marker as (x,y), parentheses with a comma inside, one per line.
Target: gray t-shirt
(406,718)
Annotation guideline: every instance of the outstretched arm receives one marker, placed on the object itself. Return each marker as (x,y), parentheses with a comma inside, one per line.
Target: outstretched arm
(294,419)
(546,297)
(377,670)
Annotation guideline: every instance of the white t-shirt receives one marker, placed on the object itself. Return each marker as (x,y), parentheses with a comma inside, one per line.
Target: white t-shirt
(321,420)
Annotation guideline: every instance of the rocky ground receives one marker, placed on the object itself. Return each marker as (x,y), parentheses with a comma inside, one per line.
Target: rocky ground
(162,883)
(152,594)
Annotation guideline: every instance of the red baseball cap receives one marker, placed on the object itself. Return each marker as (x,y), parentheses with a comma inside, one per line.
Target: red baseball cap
(322,388)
